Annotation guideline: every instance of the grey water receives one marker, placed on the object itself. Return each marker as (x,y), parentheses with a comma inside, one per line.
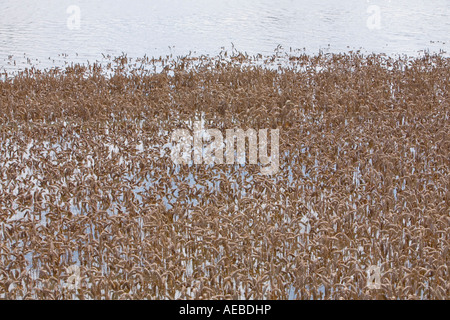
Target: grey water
(49,33)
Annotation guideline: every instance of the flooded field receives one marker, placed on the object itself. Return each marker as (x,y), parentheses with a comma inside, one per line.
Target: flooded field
(87,179)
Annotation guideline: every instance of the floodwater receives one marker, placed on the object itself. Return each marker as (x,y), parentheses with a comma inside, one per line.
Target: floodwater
(46,33)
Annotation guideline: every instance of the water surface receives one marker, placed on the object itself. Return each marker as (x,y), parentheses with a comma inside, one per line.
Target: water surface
(38,30)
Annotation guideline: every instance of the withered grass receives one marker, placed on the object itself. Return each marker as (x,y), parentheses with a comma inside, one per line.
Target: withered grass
(363,180)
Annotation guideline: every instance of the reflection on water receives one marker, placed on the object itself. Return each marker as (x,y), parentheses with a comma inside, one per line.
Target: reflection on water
(38,29)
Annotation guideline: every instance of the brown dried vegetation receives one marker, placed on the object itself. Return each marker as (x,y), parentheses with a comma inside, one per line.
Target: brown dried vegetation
(363,180)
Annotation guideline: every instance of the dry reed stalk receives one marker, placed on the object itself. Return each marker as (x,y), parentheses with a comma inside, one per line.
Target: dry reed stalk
(363,180)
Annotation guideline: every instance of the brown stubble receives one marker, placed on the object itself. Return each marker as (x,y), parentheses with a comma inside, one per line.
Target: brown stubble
(363,180)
